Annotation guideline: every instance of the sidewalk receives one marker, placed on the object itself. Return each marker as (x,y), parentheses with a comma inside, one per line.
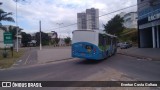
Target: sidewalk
(144,53)
(53,54)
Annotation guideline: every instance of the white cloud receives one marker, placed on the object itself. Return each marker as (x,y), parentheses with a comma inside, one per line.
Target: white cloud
(59,11)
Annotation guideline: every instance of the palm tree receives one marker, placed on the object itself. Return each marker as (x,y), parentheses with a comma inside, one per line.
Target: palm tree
(5,16)
(13,30)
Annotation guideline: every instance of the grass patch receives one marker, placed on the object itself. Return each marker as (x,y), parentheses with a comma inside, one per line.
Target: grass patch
(9,61)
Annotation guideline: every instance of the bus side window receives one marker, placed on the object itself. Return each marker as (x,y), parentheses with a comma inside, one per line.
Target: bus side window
(100,40)
(107,40)
(104,40)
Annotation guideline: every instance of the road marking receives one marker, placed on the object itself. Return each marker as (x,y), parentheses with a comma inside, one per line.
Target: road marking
(55,62)
(15,64)
(150,59)
(27,59)
(140,59)
(20,61)
(113,79)
(98,89)
(144,59)
(59,60)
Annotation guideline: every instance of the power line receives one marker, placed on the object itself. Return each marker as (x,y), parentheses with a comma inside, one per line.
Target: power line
(107,14)
(97,17)
(117,10)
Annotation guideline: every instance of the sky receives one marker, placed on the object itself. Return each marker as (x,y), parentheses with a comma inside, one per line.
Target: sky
(52,12)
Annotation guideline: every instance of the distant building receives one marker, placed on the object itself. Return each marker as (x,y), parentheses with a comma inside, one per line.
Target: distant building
(122,14)
(88,19)
(149,23)
(61,42)
(130,20)
(81,21)
(92,18)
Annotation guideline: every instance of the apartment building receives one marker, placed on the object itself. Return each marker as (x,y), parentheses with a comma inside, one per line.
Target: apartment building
(88,19)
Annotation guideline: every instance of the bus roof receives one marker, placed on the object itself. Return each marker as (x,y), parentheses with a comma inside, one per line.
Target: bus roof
(98,31)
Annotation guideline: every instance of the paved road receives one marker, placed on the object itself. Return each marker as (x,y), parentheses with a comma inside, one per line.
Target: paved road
(136,68)
(78,69)
(29,58)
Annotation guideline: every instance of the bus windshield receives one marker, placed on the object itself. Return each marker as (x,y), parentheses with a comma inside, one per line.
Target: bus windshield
(85,36)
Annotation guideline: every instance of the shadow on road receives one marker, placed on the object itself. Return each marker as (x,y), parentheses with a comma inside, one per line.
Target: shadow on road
(90,62)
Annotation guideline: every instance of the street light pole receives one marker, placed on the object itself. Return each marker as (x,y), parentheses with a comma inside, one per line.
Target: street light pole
(59,25)
(40,35)
(16,26)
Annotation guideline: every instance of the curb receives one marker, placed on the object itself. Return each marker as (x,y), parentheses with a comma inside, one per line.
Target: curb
(140,57)
(58,60)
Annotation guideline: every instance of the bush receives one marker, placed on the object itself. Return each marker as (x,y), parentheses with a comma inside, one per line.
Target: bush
(129,35)
(67,40)
(4,54)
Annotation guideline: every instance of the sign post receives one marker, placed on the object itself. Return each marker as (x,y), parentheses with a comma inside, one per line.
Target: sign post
(8,39)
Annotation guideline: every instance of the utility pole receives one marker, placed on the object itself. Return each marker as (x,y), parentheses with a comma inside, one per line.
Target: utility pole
(17,26)
(59,24)
(40,35)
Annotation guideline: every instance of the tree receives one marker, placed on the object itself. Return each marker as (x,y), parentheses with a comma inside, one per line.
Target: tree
(114,26)
(129,35)
(44,36)
(13,30)
(25,39)
(67,40)
(55,41)
(3,28)
(5,16)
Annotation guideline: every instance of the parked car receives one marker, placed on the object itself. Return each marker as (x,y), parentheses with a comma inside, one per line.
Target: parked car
(130,45)
(125,45)
(119,44)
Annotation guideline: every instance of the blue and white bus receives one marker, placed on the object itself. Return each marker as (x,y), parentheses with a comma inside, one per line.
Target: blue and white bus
(93,44)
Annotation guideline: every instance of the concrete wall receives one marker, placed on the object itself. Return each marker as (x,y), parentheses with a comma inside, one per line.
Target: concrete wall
(1,39)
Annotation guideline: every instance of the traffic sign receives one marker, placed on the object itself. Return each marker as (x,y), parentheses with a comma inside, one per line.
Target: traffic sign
(8,38)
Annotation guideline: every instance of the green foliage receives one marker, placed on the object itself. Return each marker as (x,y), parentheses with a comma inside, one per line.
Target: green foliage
(25,39)
(56,40)
(9,61)
(104,48)
(130,35)
(13,30)
(67,40)
(4,54)
(3,28)
(5,16)
(45,38)
(114,26)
